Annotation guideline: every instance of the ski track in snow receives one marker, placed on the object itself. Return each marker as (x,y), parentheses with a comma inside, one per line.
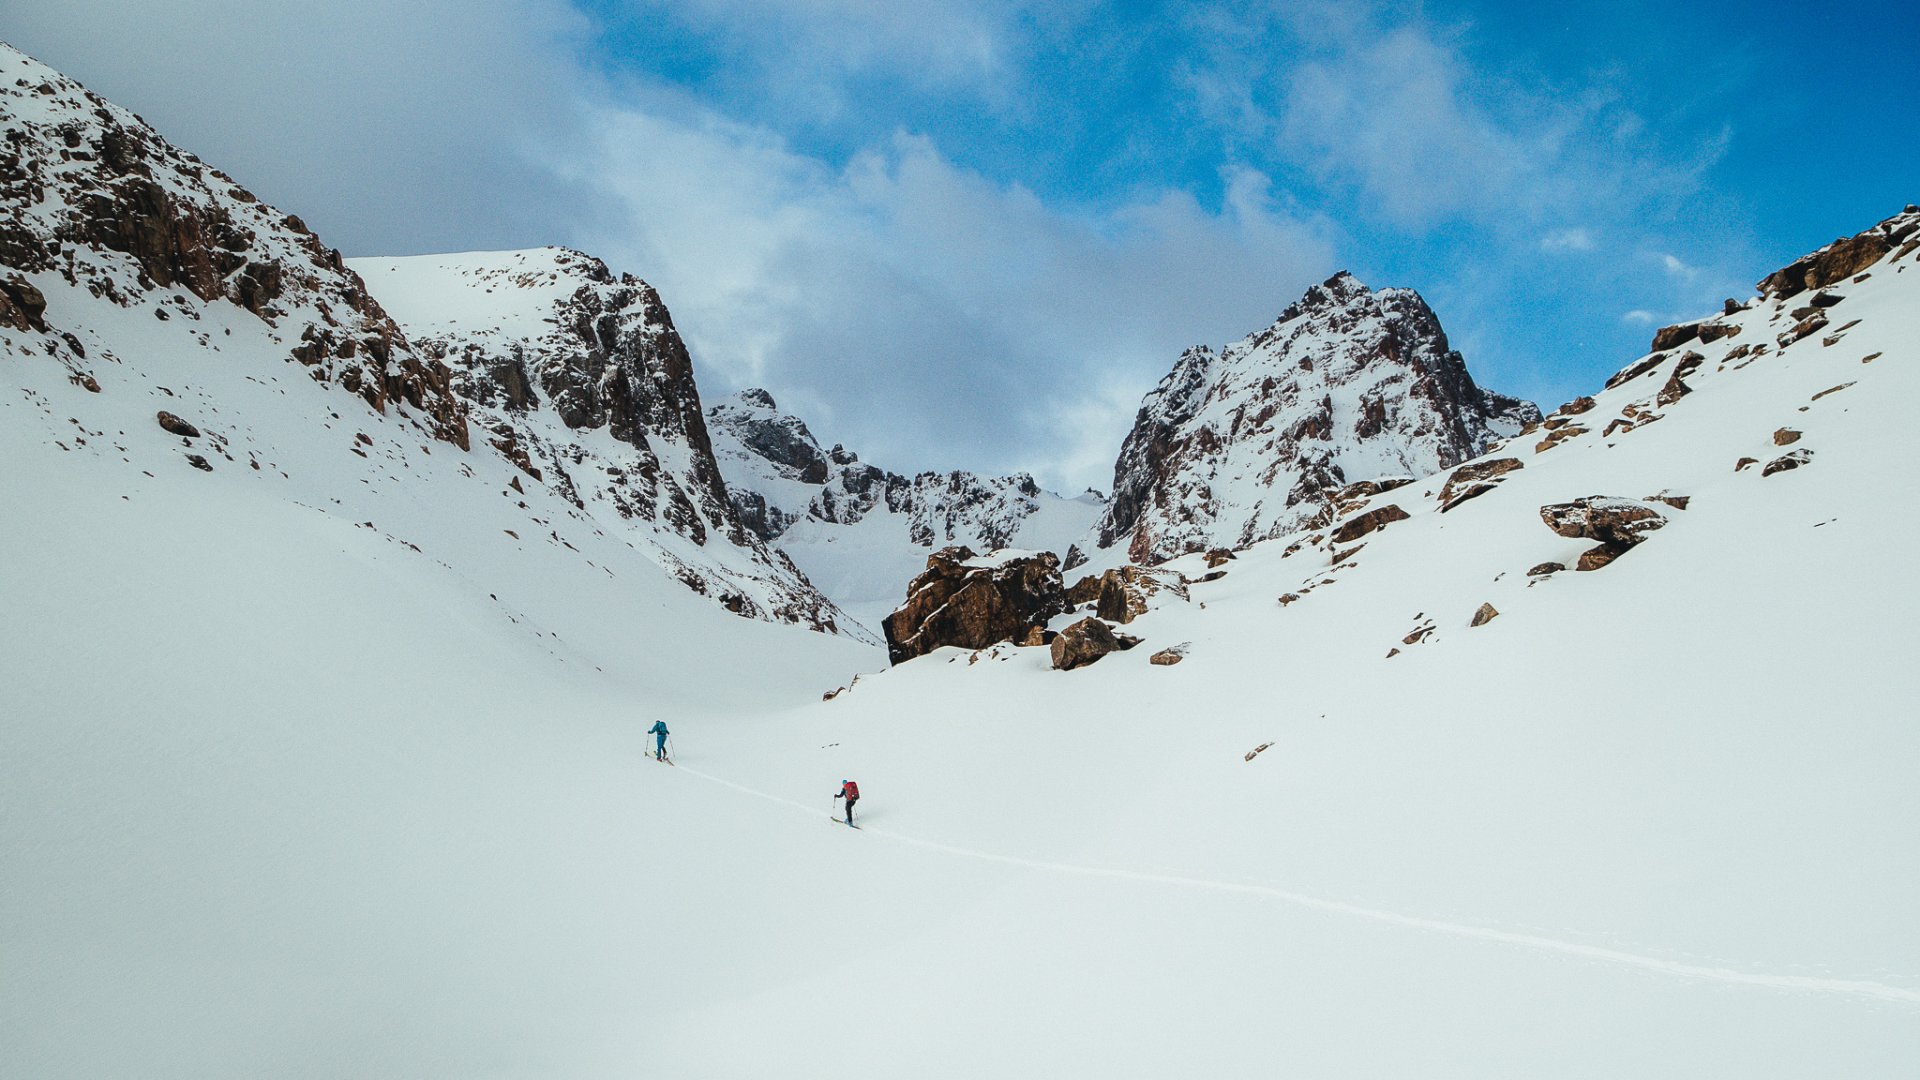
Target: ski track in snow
(1802,983)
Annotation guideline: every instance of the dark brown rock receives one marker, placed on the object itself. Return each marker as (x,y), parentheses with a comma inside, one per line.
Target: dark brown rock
(1122,594)
(176,425)
(1785,437)
(1546,568)
(1371,521)
(1559,436)
(1484,615)
(1474,479)
(1744,463)
(1219,556)
(1831,390)
(1083,643)
(1168,658)
(1596,557)
(1834,263)
(1636,369)
(199,462)
(1787,462)
(1621,522)
(1670,337)
(973,607)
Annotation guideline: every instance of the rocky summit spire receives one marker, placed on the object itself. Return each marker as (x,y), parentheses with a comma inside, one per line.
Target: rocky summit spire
(1242,445)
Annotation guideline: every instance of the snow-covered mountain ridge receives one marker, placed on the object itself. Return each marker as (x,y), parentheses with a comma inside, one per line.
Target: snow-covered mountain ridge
(862,532)
(95,205)
(1348,384)
(580,376)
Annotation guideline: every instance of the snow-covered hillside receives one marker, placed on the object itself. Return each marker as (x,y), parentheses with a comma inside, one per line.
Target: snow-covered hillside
(326,759)
(580,376)
(861,532)
(1348,384)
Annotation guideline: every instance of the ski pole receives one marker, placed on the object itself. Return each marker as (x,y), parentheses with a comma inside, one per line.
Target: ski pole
(670,751)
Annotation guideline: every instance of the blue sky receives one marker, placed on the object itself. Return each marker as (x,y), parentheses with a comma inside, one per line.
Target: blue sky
(972,234)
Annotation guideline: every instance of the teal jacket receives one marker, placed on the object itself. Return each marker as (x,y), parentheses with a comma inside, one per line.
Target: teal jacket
(659,728)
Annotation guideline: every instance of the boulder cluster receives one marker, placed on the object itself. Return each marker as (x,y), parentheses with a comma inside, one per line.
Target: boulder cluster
(973,602)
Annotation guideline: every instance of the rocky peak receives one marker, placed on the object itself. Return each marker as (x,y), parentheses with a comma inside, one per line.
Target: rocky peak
(550,346)
(95,201)
(1348,384)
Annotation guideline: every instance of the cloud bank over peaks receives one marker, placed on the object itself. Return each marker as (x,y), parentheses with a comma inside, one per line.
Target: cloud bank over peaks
(921,313)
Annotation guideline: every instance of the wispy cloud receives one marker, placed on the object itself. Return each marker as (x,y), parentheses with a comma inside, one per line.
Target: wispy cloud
(1567,240)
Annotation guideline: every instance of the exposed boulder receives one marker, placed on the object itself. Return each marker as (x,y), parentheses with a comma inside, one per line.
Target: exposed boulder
(177,426)
(1787,462)
(1475,479)
(1083,643)
(1834,263)
(1672,337)
(1785,437)
(974,603)
(1123,594)
(1618,524)
(1545,568)
(1624,522)
(1168,657)
(1371,521)
(1484,615)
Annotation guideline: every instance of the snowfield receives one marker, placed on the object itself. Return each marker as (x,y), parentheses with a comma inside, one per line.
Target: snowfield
(283,797)
(327,759)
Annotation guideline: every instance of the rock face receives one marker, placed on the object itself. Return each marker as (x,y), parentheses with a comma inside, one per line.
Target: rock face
(859,530)
(973,603)
(1247,443)
(1843,258)
(550,347)
(92,195)
(1124,593)
(1475,479)
(1618,524)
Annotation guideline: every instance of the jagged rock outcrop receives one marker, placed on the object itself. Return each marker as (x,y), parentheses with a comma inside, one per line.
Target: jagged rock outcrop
(94,198)
(1845,257)
(1618,525)
(1475,479)
(1082,643)
(974,602)
(1125,593)
(773,461)
(1248,443)
(859,530)
(550,347)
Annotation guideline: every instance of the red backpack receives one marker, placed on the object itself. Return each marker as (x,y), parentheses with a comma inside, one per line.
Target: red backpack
(851,790)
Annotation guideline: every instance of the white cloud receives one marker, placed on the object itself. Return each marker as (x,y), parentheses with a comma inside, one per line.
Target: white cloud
(1567,240)
(389,126)
(922,314)
(1639,317)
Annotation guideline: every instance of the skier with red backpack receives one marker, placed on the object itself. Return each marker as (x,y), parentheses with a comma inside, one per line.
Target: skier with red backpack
(849,791)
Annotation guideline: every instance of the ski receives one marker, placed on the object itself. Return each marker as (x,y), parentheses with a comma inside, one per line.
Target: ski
(843,821)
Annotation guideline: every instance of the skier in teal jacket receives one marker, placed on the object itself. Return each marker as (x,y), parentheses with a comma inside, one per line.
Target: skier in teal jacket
(659,733)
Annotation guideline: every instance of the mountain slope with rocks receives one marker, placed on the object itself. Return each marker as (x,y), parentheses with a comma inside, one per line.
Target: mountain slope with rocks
(323,754)
(861,532)
(125,261)
(578,375)
(1349,384)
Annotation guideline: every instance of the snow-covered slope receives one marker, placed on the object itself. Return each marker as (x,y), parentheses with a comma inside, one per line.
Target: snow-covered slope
(861,532)
(580,377)
(1348,384)
(314,770)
